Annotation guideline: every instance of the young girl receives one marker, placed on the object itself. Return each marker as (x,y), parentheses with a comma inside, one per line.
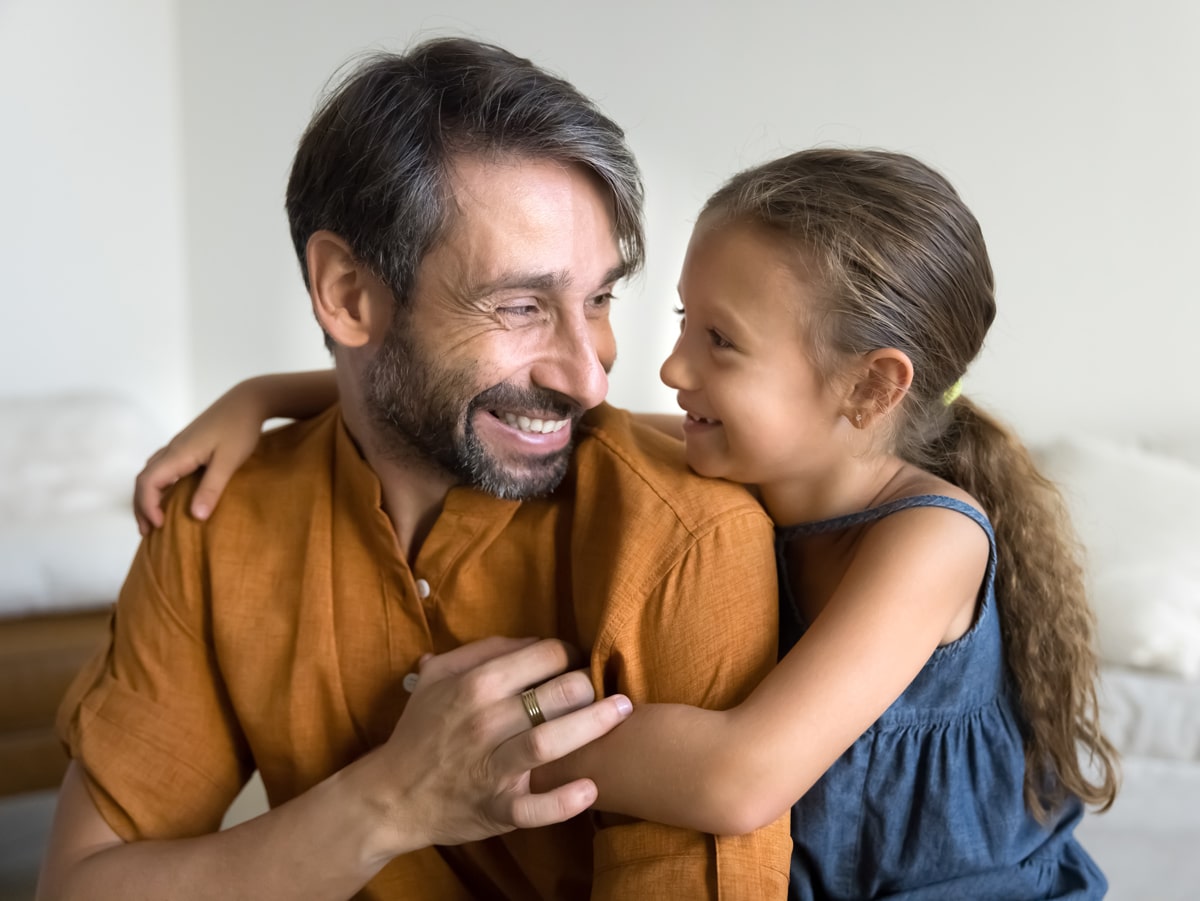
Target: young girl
(936,686)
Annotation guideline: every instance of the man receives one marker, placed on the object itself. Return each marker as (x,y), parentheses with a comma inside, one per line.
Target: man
(461,218)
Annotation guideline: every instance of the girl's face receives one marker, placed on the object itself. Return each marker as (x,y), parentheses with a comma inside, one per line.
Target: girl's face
(757,409)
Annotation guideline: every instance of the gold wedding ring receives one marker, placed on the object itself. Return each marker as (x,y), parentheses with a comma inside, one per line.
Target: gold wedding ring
(529,699)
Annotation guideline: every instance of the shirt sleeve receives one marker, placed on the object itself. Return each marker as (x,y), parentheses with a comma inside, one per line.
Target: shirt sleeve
(148,717)
(705,634)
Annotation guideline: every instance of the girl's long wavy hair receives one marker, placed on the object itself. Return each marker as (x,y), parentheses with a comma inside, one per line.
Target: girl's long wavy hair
(902,263)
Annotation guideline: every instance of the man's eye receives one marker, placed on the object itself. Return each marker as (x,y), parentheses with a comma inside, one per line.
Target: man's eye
(519,309)
(602,301)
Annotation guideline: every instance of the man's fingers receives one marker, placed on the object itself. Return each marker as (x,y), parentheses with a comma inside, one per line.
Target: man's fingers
(559,696)
(550,741)
(469,656)
(495,668)
(555,806)
(559,737)
(529,666)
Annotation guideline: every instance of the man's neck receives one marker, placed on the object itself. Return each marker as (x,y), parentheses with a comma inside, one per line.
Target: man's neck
(413,490)
(413,497)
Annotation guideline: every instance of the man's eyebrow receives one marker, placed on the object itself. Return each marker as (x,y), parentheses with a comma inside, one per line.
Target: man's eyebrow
(615,274)
(538,281)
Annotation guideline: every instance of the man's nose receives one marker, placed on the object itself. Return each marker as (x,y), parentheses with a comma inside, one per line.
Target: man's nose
(578,362)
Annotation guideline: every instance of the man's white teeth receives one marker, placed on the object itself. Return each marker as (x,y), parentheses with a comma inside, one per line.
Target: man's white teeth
(541,426)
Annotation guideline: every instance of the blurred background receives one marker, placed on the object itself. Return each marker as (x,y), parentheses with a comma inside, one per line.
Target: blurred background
(146,144)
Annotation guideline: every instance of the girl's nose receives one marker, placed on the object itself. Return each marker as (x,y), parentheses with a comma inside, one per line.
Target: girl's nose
(675,371)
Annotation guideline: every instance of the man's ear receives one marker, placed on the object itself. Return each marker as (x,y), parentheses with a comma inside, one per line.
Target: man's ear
(352,305)
(883,380)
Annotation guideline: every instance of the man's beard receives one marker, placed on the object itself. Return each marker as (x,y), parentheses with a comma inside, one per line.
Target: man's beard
(425,412)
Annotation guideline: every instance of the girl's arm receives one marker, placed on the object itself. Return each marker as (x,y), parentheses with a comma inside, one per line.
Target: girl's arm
(911,586)
(223,436)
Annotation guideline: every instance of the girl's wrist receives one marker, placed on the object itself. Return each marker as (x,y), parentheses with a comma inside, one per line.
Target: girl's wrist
(253,398)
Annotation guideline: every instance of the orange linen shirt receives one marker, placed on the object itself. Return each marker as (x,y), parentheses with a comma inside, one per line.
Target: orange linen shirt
(276,635)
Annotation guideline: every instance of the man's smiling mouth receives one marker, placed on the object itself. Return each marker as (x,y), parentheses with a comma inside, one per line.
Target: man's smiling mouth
(529,424)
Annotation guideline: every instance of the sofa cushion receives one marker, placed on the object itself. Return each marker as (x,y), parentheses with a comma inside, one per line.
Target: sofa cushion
(1151,714)
(67,533)
(1137,512)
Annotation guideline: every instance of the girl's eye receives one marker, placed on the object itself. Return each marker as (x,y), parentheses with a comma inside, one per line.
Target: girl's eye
(718,340)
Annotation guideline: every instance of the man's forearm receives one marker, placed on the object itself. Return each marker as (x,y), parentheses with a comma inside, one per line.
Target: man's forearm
(324,844)
(456,769)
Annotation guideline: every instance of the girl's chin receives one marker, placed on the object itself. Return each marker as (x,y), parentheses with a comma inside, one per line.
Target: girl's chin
(703,465)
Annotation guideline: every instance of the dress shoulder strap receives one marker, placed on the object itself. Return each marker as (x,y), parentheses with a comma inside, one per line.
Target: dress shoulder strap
(872,514)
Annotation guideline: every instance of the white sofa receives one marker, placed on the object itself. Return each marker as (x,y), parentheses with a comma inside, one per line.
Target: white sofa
(67,536)
(1137,510)
(66,540)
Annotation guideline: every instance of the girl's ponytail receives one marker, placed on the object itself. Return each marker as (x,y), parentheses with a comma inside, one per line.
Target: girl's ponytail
(1045,620)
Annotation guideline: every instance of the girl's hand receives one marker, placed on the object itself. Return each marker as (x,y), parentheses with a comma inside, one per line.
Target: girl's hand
(223,437)
(220,439)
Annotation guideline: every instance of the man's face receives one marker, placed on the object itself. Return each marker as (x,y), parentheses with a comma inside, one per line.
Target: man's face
(506,340)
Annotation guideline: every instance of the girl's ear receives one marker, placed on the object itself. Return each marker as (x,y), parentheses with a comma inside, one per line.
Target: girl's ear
(883,380)
(352,306)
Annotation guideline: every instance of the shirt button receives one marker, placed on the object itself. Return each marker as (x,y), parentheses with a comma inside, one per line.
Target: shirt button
(422,589)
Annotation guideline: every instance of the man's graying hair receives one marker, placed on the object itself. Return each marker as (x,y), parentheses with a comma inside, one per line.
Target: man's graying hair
(374,164)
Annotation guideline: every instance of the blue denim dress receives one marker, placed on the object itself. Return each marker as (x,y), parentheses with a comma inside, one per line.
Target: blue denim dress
(928,803)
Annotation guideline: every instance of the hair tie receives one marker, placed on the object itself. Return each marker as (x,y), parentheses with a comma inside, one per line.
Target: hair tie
(952,393)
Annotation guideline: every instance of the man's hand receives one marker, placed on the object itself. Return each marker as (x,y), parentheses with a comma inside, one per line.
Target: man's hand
(455,769)
(460,757)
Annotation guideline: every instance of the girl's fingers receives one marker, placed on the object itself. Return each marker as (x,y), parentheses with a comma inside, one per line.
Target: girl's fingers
(217,473)
(161,471)
(147,494)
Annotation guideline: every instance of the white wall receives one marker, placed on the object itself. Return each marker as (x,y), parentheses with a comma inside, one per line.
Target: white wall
(91,216)
(1071,128)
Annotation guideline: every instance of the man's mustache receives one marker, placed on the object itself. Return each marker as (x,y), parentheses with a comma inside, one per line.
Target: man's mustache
(509,397)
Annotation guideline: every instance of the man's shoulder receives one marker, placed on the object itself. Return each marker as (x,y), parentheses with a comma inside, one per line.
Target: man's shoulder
(619,455)
(305,443)
(293,461)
